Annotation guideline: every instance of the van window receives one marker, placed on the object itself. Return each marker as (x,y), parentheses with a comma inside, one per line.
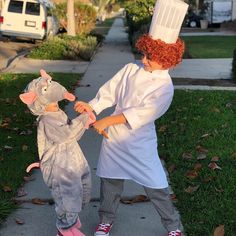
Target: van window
(32,8)
(15,6)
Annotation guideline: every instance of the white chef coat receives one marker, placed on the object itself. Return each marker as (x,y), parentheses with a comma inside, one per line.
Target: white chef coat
(131,150)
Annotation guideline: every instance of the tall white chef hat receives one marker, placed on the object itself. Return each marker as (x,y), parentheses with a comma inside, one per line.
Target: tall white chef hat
(162,43)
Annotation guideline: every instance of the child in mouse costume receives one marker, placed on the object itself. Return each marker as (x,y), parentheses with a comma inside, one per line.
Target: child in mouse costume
(63,165)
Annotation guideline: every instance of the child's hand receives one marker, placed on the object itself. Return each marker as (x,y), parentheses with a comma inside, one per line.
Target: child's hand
(81,107)
(100,127)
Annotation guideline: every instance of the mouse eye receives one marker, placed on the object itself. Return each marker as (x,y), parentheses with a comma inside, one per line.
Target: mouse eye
(44,89)
(49,81)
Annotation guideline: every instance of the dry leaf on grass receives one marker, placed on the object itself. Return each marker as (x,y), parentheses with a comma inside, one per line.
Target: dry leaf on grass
(219,231)
(172,168)
(214,166)
(7,188)
(201,149)
(24,148)
(191,189)
(192,174)
(201,156)
(187,156)
(215,159)
(205,135)
(197,166)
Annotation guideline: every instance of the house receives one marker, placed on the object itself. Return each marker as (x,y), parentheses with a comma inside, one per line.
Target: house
(217,11)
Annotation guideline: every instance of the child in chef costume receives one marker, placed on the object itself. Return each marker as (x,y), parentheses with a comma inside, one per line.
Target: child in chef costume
(141,94)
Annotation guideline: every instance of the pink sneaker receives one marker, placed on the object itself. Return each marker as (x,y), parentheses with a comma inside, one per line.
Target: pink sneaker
(103,229)
(65,232)
(175,233)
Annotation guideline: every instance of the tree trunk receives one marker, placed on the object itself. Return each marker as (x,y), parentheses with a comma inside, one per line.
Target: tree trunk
(70,18)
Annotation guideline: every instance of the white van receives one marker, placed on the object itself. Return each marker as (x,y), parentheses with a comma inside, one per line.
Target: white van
(28,19)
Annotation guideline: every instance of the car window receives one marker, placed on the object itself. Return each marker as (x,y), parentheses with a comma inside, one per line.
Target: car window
(32,8)
(15,6)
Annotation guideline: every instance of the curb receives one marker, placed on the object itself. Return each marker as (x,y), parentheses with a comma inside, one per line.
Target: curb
(13,60)
(202,87)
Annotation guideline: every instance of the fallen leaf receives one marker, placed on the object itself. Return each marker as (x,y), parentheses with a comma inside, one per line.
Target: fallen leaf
(219,231)
(198,167)
(201,149)
(234,155)
(214,166)
(219,190)
(192,174)
(19,221)
(191,189)
(135,199)
(173,198)
(172,168)
(187,156)
(163,128)
(205,135)
(28,178)
(38,201)
(7,188)
(24,148)
(21,192)
(1,159)
(201,156)
(200,99)
(216,110)
(215,159)
(6,147)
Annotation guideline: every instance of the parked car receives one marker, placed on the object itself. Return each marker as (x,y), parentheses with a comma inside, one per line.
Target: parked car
(28,18)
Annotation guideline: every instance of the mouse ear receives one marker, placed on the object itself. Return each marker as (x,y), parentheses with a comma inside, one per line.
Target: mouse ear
(44,74)
(28,98)
(69,96)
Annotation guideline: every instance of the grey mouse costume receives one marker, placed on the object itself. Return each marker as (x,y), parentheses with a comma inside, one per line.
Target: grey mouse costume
(63,165)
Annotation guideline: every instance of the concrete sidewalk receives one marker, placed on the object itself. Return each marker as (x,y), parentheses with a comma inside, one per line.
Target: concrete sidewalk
(132,220)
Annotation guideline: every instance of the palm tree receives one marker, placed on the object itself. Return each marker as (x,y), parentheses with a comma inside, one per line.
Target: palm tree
(70,18)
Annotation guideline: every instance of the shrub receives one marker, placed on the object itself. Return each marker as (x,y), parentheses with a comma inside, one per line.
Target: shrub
(85,16)
(234,66)
(66,47)
(52,49)
(139,13)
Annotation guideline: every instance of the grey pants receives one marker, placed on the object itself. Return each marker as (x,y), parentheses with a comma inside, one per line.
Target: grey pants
(110,195)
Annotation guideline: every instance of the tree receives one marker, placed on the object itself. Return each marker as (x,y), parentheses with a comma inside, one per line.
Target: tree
(101,5)
(70,18)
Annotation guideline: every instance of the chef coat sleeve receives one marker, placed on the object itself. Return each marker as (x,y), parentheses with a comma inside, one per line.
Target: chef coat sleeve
(150,109)
(59,133)
(107,95)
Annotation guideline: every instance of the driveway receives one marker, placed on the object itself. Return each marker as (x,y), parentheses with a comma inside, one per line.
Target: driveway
(10,49)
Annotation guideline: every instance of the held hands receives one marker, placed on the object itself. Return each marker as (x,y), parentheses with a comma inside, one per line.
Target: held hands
(99,126)
(81,107)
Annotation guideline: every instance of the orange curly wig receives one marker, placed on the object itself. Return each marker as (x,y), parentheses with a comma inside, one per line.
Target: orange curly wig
(167,55)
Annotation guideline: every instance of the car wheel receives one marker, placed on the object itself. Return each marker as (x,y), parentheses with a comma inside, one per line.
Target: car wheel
(193,24)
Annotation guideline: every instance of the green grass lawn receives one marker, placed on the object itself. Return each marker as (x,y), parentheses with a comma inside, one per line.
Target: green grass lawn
(18,134)
(210,46)
(199,126)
